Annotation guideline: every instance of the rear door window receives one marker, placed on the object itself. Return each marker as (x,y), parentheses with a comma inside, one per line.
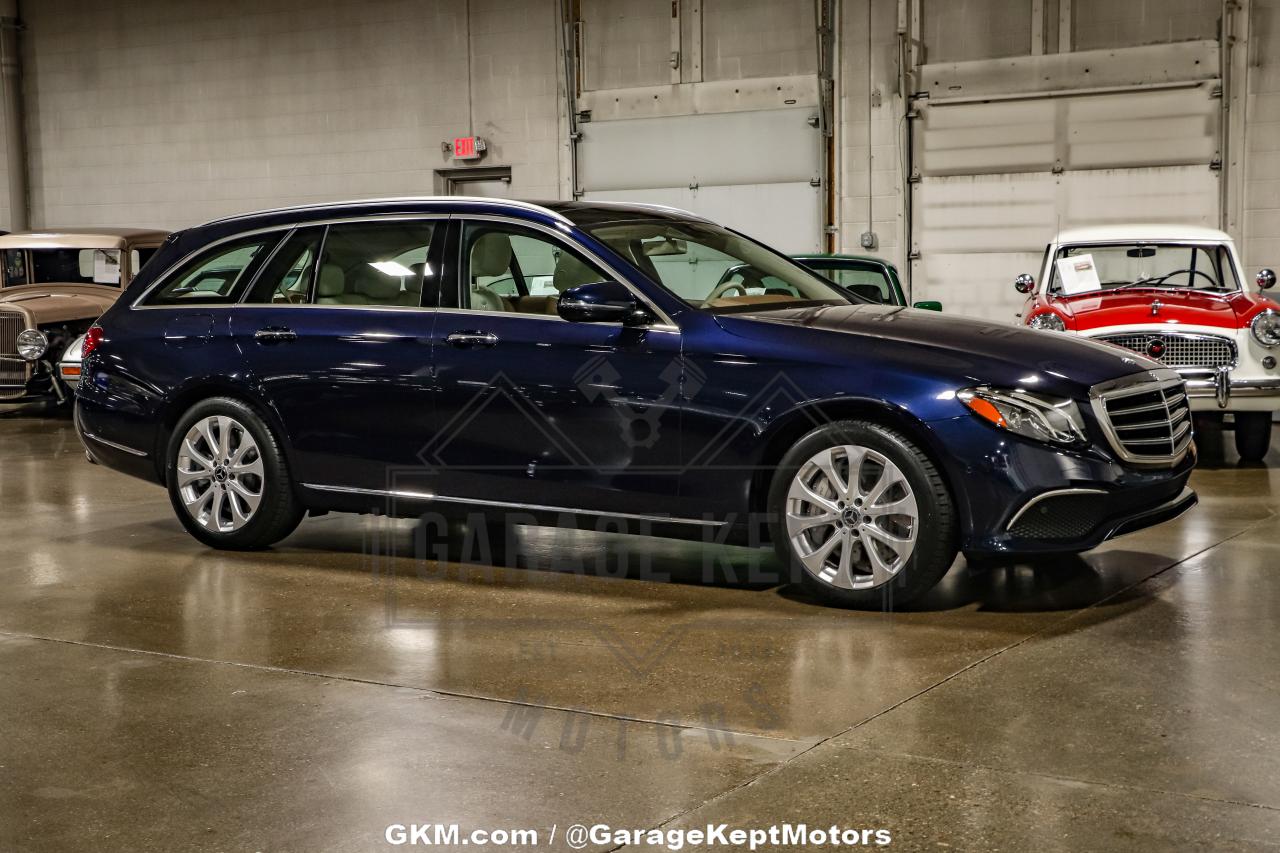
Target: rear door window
(376,263)
(287,278)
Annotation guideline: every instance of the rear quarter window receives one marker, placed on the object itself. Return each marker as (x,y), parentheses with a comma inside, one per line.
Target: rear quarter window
(216,276)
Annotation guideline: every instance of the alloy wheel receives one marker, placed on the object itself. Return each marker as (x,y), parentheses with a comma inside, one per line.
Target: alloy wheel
(852,517)
(220,474)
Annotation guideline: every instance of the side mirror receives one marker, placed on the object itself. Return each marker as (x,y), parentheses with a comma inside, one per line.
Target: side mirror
(601,302)
(1266,279)
(1024,283)
(928,305)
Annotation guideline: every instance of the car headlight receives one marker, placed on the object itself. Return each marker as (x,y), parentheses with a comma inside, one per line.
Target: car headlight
(1049,321)
(1266,328)
(32,344)
(1048,419)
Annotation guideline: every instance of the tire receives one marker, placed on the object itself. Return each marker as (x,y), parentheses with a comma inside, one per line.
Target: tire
(242,506)
(877,575)
(1253,435)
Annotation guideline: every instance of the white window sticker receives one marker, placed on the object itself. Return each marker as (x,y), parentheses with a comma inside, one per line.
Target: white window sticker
(1078,275)
(106,266)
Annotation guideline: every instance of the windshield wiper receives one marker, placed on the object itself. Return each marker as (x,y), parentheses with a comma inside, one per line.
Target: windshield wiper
(1149,281)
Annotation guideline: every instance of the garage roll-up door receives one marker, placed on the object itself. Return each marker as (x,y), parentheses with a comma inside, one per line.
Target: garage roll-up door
(997,179)
(755,171)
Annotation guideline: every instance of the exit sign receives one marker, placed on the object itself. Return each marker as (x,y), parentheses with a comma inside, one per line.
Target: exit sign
(468,148)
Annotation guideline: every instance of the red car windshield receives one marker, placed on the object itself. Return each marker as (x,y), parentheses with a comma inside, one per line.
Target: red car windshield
(1172,266)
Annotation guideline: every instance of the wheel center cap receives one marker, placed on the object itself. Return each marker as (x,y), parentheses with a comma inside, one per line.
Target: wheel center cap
(851,517)
(220,473)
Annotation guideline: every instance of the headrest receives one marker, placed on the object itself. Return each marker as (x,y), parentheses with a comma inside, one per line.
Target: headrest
(491,255)
(378,285)
(571,272)
(332,281)
(413,283)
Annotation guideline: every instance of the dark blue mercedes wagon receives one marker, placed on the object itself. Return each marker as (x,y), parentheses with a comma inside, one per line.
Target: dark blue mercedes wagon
(590,360)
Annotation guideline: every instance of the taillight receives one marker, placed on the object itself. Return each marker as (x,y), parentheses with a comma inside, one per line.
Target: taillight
(92,338)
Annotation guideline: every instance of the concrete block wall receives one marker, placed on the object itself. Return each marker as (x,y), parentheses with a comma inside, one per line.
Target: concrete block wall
(959,30)
(869,132)
(1107,23)
(171,112)
(753,39)
(1260,242)
(626,43)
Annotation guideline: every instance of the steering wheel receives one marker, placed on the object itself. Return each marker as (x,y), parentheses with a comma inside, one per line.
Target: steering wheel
(1194,273)
(723,288)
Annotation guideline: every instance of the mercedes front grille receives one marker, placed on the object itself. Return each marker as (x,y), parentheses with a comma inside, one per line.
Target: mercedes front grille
(1146,417)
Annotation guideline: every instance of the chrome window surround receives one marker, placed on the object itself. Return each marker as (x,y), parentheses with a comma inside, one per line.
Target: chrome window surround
(667,324)
(284,231)
(1145,382)
(430,496)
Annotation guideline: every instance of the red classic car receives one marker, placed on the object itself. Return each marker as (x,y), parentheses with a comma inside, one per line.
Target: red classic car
(1174,294)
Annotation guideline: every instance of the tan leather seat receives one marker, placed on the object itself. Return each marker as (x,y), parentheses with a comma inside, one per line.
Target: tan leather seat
(331,287)
(490,256)
(571,272)
(411,296)
(533,304)
(377,288)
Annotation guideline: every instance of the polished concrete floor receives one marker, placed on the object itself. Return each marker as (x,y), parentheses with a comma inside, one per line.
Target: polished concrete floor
(156,695)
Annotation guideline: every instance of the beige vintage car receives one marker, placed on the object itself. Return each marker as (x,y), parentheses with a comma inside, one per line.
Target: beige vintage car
(55,284)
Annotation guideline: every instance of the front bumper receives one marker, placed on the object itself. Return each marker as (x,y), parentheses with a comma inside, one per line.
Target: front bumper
(1228,392)
(1017,496)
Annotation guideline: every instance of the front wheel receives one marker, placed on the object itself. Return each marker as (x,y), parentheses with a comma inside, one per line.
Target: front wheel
(227,478)
(863,516)
(1253,435)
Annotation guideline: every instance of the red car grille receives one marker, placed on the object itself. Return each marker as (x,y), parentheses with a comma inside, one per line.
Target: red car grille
(1178,350)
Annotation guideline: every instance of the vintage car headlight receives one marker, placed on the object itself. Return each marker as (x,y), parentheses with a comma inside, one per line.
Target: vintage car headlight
(1049,419)
(1266,328)
(32,344)
(1048,320)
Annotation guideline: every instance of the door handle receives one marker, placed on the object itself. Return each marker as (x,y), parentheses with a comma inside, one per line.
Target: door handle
(274,334)
(472,339)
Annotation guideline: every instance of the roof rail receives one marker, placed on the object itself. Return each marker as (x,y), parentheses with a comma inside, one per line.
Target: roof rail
(668,208)
(452,199)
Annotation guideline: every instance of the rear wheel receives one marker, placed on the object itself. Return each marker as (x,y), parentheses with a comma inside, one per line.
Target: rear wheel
(862,516)
(227,478)
(1253,435)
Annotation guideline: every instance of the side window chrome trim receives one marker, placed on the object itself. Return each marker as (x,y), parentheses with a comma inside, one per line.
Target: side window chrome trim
(282,229)
(560,236)
(517,315)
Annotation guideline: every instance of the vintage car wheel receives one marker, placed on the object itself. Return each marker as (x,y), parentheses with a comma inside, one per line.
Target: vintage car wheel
(862,516)
(227,478)
(1253,435)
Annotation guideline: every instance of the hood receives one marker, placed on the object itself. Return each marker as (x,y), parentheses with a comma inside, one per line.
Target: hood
(44,304)
(961,348)
(1134,307)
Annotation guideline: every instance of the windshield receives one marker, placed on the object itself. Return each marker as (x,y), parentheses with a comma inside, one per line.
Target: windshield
(712,268)
(47,266)
(1171,266)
